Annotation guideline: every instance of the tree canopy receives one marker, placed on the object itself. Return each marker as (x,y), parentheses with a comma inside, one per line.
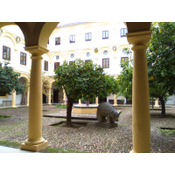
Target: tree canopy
(9,80)
(161,62)
(83,80)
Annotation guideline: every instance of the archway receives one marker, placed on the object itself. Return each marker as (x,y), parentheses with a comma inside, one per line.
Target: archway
(23,100)
(36,37)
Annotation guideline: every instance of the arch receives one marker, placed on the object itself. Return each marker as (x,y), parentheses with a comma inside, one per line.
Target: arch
(104,48)
(103,24)
(2,24)
(25,76)
(46,31)
(51,83)
(55,54)
(86,50)
(88,25)
(37,33)
(11,37)
(70,52)
(122,47)
(138,26)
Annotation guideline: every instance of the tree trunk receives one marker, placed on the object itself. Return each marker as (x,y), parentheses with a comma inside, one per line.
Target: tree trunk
(69,111)
(87,102)
(163,107)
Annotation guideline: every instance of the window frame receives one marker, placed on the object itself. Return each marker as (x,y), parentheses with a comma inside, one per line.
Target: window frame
(105,34)
(25,58)
(88,38)
(125,58)
(71,62)
(57,43)
(123,32)
(87,61)
(104,65)
(72,39)
(6,53)
(55,63)
(46,65)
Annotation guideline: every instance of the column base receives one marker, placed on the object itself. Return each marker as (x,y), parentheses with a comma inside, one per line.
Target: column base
(35,147)
(132,151)
(49,103)
(115,105)
(156,106)
(13,106)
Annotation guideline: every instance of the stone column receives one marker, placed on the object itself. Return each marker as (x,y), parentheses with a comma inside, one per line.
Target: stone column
(49,98)
(13,99)
(156,103)
(96,101)
(35,142)
(64,98)
(115,100)
(79,102)
(28,97)
(140,93)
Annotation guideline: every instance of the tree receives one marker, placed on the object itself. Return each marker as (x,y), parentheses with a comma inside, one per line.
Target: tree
(124,80)
(82,80)
(9,80)
(161,62)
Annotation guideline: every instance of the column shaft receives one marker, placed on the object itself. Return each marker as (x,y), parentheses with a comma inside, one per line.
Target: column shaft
(115,100)
(13,99)
(156,103)
(35,103)
(49,98)
(35,142)
(96,101)
(28,97)
(140,94)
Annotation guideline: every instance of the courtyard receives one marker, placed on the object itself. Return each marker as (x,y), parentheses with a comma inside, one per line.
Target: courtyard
(85,136)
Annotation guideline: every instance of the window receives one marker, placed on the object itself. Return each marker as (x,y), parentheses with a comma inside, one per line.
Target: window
(88,36)
(105,34)
(6,53)
(123,32)
(56,65)
(23,58)
(72,38)
(123,59)
(87,61)
(46,65)
(71,62)
(105,62)
(57,41)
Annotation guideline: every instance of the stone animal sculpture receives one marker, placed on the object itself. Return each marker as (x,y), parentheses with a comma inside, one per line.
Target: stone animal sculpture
(106,110)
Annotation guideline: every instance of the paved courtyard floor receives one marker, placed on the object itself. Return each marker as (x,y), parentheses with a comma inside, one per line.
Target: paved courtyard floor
(86,136)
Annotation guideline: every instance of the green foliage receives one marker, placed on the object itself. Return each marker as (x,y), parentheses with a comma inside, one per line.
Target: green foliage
(83,80)
(4,116)
(10,143)
(161,60)
(9,80)
(124,80)
(59,106)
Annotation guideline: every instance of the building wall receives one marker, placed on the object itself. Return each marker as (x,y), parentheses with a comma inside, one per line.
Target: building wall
(64,51)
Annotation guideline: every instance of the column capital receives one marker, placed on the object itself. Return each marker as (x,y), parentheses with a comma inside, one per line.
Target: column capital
(36,50)
(139,38)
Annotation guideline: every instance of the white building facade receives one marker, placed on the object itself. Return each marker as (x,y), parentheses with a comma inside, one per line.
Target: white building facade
(101,42)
